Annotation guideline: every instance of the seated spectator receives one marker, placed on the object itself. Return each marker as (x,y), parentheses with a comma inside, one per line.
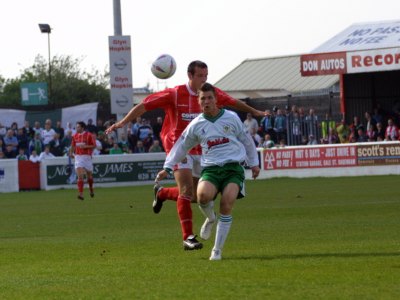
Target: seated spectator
(60,130)
(56,147)
(268,142)
(139,147)
(155,147)
(46,154)
(34,157)
(36,144)
(343,130)
(9,152)
(11,140)
(115,149)
(362,137)
(21,155)
(99,147)
(2,147)
(312,140)
(123,141)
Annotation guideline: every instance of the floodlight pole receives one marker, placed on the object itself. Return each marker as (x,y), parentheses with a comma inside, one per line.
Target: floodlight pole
(50,81)
(45,28)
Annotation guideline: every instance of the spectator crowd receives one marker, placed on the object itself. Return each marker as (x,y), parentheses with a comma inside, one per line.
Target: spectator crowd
(279,127)
(36,143)
(293,126)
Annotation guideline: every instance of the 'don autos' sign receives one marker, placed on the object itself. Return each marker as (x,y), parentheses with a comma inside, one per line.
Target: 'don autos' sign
(120,74)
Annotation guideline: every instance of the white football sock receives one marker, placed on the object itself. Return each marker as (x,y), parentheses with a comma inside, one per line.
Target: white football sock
(223,227)
(208,210)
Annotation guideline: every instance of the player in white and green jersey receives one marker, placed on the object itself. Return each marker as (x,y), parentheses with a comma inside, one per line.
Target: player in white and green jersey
(225,146)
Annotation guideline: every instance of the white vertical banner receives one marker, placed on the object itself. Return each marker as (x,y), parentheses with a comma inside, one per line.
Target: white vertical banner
(120,74)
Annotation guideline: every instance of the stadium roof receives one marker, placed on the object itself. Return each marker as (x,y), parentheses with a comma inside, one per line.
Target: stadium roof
(261,77)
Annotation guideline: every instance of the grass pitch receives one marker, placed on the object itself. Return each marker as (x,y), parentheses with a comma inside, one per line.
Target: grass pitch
(317,238)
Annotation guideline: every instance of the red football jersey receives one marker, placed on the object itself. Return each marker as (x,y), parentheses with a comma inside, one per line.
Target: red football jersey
(85,138)
(181,106)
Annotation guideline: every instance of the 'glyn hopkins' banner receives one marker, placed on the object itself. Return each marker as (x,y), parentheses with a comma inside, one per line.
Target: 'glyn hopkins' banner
(332,156)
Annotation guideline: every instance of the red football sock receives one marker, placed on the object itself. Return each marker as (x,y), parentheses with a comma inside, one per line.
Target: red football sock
(80,185)
(90,182)
(171,193)
(185,215)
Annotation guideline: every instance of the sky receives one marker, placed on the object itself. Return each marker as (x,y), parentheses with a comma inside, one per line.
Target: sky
(221,33)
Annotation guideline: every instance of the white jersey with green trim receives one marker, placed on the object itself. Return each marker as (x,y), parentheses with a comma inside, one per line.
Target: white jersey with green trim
(223,140)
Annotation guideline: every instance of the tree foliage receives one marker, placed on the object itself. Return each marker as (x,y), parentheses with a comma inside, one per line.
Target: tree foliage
(70,85)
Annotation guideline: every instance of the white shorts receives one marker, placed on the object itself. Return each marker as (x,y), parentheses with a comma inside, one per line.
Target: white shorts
(191,162)
(84,161)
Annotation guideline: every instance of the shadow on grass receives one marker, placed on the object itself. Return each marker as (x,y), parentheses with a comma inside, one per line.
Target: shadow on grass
(314,255)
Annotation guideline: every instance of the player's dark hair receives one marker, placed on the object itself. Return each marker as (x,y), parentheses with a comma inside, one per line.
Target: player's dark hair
(82,124)
(194,64)
(207,87)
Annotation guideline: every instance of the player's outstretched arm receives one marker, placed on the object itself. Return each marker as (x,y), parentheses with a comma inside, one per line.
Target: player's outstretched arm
(135,112)
(240,105)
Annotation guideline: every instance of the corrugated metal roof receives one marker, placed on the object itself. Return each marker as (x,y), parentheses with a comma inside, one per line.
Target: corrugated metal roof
(274,73)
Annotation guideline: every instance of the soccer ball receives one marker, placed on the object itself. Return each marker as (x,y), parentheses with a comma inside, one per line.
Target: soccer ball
(164,66)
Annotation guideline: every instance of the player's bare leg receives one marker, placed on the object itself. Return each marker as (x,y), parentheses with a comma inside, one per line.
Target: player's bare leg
(90,183)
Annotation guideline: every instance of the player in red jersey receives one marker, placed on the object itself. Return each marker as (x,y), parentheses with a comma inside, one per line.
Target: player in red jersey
(82,146)
(181,106)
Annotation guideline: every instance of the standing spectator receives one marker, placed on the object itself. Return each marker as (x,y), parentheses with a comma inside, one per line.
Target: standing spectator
(280,125)
(14,128)
(36,128)
(343,131)
(250,123)
(377,116)
(157,128)
(267,124)
(380,132)
(100,126)
(144,130)
(91,127)
(60,130)
(369,122)
(71,128)
(99,147)
(3,130)
(312,140)
(105,146)
(47,133)
(311,123)
(135,126)
(66,141)
(372,133)
(391,131)
(28,130)
(23,140)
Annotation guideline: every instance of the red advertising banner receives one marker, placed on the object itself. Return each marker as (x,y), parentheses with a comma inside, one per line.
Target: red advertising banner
(310,157)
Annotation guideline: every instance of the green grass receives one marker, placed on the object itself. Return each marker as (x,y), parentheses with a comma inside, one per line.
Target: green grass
(317,238)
